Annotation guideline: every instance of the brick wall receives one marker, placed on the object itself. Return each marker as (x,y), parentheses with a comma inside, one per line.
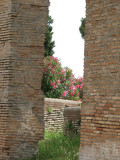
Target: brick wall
(72,120)
(53,115)
(100,128)
(22,33)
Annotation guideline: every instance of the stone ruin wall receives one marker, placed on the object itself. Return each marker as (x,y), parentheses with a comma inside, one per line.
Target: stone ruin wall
(22,33)
(72,120)
(100,128)
(54,120)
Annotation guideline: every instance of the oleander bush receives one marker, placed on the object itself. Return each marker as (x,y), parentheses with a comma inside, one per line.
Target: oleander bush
(59,82)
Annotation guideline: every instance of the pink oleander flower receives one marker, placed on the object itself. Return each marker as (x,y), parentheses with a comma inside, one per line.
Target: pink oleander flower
(63,72)
(80,79)
(50,57)
(80,87)
(73,87)
(73,75)
(64,94)
(58,82)
(72,93)
(52,83)
(71,82)
(79,101)
(53,70)
(44,70)
(54,86)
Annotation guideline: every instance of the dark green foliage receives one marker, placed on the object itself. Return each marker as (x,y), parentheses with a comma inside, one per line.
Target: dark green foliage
(49,44)
(69,125)
(82,27)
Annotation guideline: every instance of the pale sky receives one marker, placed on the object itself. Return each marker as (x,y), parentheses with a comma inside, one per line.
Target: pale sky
(69,46)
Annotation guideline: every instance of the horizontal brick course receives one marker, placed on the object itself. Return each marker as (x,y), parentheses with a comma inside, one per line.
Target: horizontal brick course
(72,120)
(101,102)
(55,119)
(22,33)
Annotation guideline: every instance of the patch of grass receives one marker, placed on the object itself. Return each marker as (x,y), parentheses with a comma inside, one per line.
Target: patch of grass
(56,146)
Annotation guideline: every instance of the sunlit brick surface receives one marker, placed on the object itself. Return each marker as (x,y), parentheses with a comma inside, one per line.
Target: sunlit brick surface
(100,128)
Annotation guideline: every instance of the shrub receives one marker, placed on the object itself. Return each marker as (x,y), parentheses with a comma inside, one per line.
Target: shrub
(60,82)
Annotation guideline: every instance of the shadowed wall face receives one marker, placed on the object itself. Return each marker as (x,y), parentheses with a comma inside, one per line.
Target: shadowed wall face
(22,33)
(100,128)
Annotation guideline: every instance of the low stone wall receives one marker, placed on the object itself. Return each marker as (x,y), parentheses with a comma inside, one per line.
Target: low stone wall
(53,112)
(72,120)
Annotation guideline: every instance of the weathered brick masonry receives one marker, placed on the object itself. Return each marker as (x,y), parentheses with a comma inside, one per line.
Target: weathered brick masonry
(54,120)
(22,33)
(100,128)
(72,120)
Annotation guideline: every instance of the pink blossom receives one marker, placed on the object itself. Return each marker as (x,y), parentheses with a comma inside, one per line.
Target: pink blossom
(80,80)
(72,92)
(72,87)
(64,94)
(52,83)
(63,71)
(58,82)
(71,82)
(80,87)
(53,70)
(47,64)
(79,101)
(45,70)
(54,86)
(73,75)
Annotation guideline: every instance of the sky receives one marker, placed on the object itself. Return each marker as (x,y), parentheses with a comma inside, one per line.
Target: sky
(69,46)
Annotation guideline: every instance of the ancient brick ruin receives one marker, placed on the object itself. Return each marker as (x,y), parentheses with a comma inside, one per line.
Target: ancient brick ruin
(22,32)
(54,112)
(100,128)
(72,120)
